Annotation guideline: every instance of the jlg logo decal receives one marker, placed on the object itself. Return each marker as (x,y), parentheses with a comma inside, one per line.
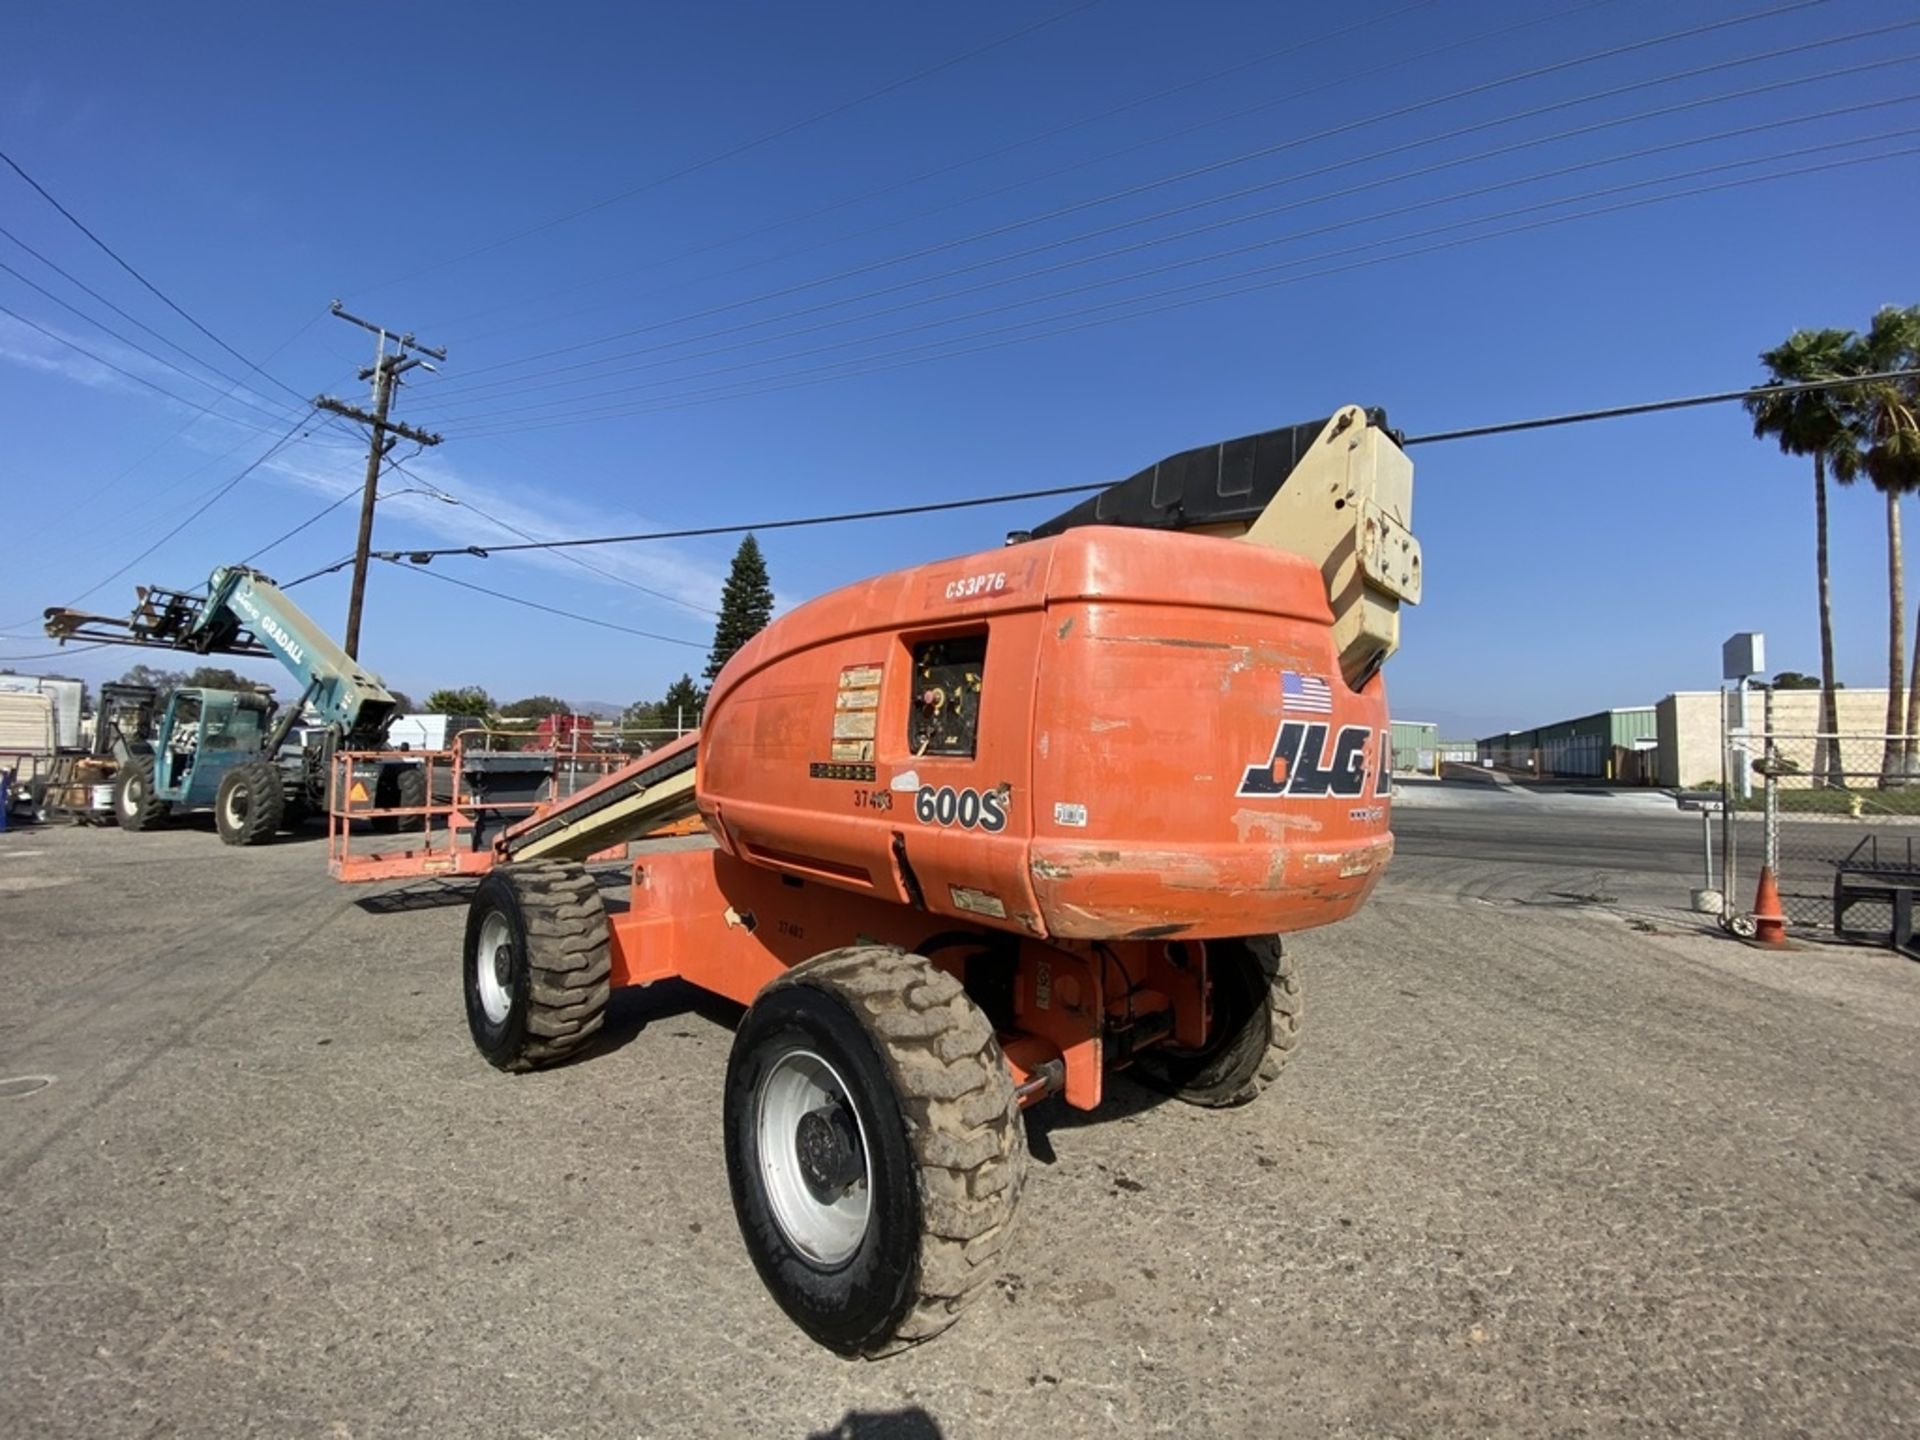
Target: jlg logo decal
(1302,766)
(969,809)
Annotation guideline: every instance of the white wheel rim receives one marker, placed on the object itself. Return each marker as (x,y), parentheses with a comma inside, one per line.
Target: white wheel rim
(237,807)
(130,798)
(495,955)
(824,1224)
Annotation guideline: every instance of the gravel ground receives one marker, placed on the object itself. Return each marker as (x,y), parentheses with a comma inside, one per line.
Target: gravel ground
(1551,1162)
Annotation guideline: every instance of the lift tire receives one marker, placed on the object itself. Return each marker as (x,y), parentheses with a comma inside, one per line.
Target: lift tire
(250,803)
(536,964)
(135,805)
(938,1137)
(1256,1026)
(410,792)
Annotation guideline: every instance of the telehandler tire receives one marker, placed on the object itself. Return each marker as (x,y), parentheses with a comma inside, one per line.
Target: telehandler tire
(135,805)
(250,803)
(1256,1026)
(874,1147)
(535,964)
(410,792)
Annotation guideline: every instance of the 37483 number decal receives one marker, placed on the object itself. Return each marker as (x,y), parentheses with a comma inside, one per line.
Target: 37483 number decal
(969,809)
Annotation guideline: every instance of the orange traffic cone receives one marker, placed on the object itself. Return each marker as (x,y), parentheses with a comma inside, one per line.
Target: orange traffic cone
(1769,920)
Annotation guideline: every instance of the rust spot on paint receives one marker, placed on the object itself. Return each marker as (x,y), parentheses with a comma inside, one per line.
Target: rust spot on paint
(1047,870)
(1065,629)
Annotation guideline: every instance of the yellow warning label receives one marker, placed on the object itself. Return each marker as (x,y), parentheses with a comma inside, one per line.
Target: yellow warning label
(860,677)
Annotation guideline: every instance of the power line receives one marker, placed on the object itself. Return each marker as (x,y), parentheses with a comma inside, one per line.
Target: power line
(893,187)
(896,511)
(1195,172)
(1653,407)
(745,146)
(1216,256)
(966,345)
(228,391)
(234,383)
(197,512)
(121,370)
(153,289)
(586,565)
(51,654)
(549,609)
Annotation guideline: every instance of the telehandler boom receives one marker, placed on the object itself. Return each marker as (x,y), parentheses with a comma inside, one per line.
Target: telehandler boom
(226,749)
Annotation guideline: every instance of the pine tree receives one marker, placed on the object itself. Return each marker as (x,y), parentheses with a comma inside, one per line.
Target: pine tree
(746,605)
(682,704)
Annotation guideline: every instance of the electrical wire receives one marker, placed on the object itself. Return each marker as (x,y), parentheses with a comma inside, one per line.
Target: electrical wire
(198,511)
(1010,497)
(230,391)
(954,347)
(130,375)
(586,565)
(789,222)
(1161,182)
(1374,71)
(744,147)
(147,284)
(453,417)
(234,383)
(548,609)
(469,395)
(53,654)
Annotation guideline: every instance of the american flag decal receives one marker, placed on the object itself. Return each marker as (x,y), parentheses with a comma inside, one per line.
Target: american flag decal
(1305,694)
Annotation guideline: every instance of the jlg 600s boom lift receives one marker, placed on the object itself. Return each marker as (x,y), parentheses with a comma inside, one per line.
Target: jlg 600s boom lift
(985,830)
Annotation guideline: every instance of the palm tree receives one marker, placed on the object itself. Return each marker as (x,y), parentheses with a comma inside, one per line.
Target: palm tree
(1890,424)
(1814,423)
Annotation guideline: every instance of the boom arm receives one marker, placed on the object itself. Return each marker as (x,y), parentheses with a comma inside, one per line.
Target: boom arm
(245,613)
(1338,492)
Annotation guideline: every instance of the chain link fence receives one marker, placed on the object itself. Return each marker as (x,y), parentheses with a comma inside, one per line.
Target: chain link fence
(1838,816)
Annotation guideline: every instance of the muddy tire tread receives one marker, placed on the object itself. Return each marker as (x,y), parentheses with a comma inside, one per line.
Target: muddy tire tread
(964,1125)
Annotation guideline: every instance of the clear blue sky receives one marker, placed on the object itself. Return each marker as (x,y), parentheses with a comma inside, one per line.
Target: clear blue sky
(255,163)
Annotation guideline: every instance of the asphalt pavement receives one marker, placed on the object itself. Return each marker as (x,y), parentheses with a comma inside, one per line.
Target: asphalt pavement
(1553,1160)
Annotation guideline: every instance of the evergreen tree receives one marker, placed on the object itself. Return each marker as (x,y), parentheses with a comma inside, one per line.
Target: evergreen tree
(682,704)
(746,605)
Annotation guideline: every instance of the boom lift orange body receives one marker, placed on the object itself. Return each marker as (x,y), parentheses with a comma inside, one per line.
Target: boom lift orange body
(983,831)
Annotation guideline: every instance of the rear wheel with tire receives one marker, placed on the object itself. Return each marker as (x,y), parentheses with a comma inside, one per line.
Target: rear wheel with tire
(250,803)
(535,964)
(135,805)
(874,1147)
(1256,1025)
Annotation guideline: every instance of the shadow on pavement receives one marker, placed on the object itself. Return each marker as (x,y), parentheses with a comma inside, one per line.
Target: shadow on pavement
(912,1423)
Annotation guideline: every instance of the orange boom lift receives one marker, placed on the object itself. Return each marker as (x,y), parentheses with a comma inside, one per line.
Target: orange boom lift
(985,830)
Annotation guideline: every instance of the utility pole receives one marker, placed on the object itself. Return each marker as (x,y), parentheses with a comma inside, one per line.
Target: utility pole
(385,373)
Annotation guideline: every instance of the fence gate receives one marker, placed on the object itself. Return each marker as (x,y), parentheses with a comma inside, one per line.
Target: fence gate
(1846,817)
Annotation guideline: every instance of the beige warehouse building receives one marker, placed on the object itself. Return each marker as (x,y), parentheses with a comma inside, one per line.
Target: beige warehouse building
(1688,725)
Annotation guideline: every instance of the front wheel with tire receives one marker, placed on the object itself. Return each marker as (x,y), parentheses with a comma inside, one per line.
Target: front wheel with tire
(135,805)
(1256,1025)
(874,1147)
(535,964)
(250,803)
